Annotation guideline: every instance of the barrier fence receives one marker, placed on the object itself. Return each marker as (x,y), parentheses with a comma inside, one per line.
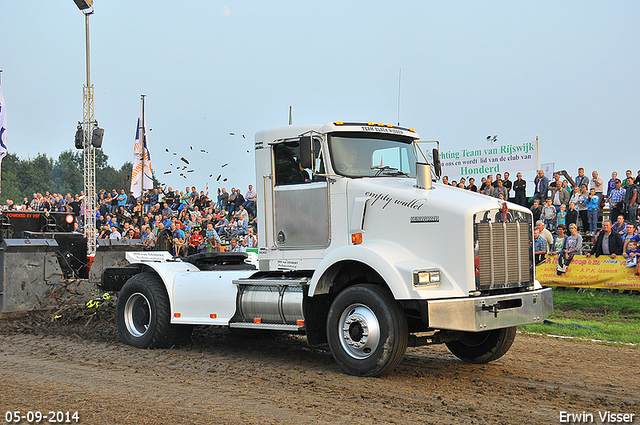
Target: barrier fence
(603,272)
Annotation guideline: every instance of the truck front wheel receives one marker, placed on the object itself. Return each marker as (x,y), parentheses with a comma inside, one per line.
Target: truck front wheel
(143,314)
(483,347)
(367,330)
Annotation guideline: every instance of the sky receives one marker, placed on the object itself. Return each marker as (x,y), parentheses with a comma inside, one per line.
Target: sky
(216,72)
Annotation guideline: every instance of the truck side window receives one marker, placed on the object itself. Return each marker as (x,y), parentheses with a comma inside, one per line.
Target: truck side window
(288,169)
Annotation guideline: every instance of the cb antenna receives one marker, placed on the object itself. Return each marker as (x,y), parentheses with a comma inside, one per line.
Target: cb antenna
(399,82)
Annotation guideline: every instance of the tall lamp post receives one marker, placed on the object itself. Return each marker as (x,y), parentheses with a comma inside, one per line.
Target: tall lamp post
(89,142)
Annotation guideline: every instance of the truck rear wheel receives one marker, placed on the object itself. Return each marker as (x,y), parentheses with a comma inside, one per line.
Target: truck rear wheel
(367,330)
(143,314)
(483,347)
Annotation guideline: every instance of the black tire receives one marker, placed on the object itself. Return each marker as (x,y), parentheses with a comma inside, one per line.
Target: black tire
(483,347)
(367,330)
(143,314)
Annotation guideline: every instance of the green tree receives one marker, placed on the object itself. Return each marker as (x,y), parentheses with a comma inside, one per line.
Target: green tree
(68,172)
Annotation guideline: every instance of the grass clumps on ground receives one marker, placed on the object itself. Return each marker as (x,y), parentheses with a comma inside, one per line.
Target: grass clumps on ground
(592,315)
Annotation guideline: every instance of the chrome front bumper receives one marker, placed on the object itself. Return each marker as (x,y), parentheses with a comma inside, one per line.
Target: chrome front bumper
(474,314)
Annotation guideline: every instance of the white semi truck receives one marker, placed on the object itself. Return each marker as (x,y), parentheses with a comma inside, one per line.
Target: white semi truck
(359,247)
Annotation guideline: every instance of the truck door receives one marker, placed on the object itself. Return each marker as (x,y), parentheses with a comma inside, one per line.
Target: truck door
(301,196)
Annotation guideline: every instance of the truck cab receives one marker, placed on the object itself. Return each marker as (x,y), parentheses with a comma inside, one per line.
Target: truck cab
(362,248)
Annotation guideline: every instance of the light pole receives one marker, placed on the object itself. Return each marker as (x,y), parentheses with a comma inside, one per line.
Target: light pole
(88,124)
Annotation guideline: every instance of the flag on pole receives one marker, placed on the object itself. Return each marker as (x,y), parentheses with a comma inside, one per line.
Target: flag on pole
(3,126)
(142,174)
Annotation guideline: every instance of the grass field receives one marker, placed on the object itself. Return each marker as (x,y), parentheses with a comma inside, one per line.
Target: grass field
(592,315)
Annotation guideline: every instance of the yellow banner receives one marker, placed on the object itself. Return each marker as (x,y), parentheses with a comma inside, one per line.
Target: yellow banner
(602,272)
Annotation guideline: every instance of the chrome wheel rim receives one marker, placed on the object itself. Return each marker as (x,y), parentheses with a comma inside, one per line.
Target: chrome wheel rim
(137,314)
(359,330)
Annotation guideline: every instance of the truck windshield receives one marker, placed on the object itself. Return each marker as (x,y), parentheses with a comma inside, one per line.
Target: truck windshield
(372,155)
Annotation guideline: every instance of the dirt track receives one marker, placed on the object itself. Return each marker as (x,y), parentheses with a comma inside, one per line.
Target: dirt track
(229,379)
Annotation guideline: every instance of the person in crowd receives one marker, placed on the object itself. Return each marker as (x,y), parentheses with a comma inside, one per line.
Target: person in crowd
(488,186)
(546,234)
(620,225)
(608,242)
(616,199)
(224,200)
(251,241)
(149,243)
(581,178)
(212,239)
(115,234)
(559,196)
(556,183)
(558,241)
(221,223)
(572,215)
(571,246)
(508,184)
(235,247)
(445,180)
(611,184)
(549,216)
(592,208)
(579,197)
(500,190)
(628,174)
(196,241)
(541,186)
(536,209)
(170,198)
(561,218)
(540,247)
(597,184)
(105,231)
(632,254)
(250,200)
(520,190)
(631,201)
(472,185)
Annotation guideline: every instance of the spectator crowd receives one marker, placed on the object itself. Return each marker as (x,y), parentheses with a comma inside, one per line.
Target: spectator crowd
(566,210)
(182,222)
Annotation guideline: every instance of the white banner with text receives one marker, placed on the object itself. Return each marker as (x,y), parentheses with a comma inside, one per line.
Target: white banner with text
(478,163)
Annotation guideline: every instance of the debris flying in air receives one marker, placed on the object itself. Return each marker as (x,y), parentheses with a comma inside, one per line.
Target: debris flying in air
(184,159)
(232,134)
(218,179)
(224,165)
(168,172)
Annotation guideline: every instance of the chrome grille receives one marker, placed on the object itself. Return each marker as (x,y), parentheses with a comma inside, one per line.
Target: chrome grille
(504,255)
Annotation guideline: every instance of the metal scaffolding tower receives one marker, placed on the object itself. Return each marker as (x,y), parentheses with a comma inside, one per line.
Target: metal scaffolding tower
(88,125)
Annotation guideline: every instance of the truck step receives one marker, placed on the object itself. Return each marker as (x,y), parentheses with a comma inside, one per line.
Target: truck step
(269,326)
(274,281)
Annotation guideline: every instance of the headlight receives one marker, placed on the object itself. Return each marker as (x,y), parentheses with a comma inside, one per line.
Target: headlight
(430,277)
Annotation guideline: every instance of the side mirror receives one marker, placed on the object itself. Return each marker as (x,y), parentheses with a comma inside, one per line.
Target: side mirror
(306,152)
(437,168)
